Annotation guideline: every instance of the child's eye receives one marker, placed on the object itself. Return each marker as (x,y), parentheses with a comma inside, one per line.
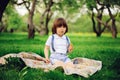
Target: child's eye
(59,26)
(64,26)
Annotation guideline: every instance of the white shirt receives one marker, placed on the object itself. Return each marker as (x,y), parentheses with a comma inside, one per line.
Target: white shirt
(60,44)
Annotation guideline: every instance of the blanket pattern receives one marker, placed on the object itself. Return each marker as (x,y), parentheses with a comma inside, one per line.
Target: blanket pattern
(83,66)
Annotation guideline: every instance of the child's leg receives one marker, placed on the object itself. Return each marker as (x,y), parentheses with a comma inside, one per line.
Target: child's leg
(59,63)
(70,64)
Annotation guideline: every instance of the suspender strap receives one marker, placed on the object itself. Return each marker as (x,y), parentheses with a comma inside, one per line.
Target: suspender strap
(53,43)
(67,42)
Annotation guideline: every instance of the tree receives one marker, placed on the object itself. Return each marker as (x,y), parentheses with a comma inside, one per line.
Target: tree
(30,25)
(11,19)
(31,30)
(31,9)
(14,22)
(3,4)
(46,16)
(109,4)
(93,4)
(96,24)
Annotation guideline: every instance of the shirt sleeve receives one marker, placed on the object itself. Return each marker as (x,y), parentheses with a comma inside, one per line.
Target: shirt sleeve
(48,42)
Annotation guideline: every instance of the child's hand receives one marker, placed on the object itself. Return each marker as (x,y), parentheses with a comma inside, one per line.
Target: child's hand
(70,48)
(47,60)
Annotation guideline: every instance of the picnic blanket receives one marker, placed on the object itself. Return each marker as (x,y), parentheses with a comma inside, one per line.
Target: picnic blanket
(83,66)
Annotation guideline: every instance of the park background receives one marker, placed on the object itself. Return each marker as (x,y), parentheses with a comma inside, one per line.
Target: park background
(94,30)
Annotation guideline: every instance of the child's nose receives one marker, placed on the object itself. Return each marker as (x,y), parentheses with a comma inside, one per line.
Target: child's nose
(62,28)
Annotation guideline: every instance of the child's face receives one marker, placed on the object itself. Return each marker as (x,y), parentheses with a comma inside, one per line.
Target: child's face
(61,30)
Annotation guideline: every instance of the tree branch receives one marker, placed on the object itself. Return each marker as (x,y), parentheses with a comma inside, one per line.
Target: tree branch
(27,6)
(23,2)
(98,1)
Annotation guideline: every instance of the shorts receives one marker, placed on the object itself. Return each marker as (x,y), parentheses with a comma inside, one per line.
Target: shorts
(59,57)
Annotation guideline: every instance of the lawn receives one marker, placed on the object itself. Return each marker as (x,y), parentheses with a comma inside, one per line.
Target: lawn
(87,45)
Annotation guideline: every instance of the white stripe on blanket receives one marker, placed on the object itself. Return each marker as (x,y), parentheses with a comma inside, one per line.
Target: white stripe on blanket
(83,67)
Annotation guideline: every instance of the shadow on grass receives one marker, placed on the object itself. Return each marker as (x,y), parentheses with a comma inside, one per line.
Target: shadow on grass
(115,66)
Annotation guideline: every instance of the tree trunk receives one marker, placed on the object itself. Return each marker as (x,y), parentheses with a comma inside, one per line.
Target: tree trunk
(1,26)
(46,24)
(31,30)
(114,30)
(99,26)
(47,15)
(97,29)
(93,21)
(3,5)
(113,26)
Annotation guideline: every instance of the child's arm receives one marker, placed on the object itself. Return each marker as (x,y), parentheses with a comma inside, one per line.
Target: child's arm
(46,53)
(70,48)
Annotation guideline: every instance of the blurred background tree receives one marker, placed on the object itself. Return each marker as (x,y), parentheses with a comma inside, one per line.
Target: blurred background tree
(96,16)
(100,6)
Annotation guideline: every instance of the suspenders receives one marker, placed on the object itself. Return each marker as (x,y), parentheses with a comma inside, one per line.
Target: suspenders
(53,43)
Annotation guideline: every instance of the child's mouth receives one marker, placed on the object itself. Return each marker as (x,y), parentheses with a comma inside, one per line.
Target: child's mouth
(62,31)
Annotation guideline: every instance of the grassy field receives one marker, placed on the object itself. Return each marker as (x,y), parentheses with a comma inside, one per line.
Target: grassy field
(87,45)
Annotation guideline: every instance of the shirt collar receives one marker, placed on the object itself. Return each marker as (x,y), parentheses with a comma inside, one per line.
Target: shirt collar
(59,36)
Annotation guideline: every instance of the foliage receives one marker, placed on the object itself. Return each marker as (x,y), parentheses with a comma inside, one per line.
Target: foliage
(69,9)
(10,74)
(81,25)
(112,2)
(12,19)
(91,4)
(14,62)
(36,19)
(11,69)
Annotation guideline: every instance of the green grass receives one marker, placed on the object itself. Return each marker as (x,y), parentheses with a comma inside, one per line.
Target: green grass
(87,45)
